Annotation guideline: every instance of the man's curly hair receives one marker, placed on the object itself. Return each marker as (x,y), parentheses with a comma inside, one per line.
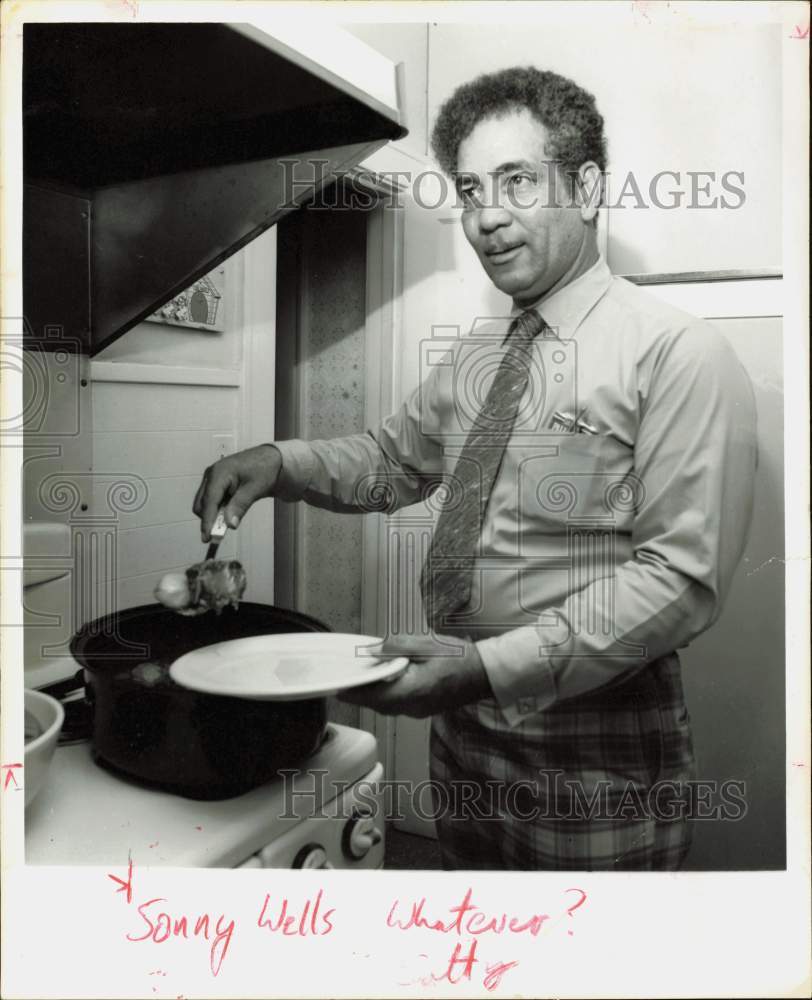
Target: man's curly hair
(573,122)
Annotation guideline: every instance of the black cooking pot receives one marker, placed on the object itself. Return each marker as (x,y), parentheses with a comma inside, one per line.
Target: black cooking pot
(148,728)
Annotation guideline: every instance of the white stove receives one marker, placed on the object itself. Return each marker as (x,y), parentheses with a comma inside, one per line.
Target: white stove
(325,813)
(328,814)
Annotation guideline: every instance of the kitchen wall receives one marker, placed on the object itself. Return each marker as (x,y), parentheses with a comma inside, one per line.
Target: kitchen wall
(658,87)
(735,673)
(166,402)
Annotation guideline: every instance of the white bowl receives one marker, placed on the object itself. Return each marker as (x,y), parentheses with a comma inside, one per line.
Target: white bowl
(38,753)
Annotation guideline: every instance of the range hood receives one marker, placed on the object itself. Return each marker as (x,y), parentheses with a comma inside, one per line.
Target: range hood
(152,152)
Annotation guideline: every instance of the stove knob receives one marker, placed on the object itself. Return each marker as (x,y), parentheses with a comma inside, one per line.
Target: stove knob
(360,836)
(311,856)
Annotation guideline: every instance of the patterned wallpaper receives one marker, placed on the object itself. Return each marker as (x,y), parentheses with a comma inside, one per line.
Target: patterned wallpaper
(332,404)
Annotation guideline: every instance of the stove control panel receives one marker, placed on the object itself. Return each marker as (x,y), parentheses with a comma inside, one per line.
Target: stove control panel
(362,832)
(347,832)
(312,856)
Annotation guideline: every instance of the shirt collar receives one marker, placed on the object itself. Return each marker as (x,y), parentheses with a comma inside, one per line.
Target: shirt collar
(567,308)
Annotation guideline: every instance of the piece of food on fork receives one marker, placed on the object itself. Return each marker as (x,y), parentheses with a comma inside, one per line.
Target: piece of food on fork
(210,585)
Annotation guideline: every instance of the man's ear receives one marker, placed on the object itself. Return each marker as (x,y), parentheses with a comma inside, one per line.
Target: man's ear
(589,190)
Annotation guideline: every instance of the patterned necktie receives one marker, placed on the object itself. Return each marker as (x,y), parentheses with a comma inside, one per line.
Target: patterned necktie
(446,578)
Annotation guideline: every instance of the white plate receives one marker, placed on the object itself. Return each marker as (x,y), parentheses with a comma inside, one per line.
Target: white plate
(285,667)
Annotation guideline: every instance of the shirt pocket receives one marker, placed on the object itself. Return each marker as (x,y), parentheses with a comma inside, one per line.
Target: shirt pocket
(588,477)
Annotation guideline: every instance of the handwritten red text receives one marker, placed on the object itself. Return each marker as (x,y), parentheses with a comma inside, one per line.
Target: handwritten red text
(469,919)
(161,927)
(466,918)
(10,777)
(312,921)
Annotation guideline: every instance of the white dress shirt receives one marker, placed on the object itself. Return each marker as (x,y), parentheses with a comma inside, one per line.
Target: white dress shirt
(623,500)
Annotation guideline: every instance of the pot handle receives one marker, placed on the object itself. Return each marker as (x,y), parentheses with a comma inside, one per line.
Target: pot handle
(61,689)
(78,724)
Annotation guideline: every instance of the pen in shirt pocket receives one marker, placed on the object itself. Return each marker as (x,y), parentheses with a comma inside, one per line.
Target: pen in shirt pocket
(577,424)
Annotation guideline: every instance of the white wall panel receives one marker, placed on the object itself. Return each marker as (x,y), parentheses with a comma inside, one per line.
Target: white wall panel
(147,550)
(142,407)
(167,500)
(152,453)
(734,674)
(159,434)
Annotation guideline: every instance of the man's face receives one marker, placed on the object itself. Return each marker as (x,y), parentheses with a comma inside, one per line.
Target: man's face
(518,208)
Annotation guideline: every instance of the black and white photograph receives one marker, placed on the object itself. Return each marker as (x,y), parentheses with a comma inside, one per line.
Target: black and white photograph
(404,435)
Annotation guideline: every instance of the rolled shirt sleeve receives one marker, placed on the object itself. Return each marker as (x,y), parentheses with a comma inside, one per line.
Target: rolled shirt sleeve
(694,463)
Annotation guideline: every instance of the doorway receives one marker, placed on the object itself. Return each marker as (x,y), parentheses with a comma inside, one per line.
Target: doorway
(337,327)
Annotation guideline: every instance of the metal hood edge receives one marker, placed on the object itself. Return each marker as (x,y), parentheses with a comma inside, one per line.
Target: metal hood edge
(152,152)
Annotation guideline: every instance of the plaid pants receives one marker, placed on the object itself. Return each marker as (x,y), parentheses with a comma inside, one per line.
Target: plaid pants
(594,783)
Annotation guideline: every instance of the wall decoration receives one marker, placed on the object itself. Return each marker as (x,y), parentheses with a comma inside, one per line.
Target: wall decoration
(200,306)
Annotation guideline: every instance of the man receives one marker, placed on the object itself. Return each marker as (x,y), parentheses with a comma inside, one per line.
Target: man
(600,478)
